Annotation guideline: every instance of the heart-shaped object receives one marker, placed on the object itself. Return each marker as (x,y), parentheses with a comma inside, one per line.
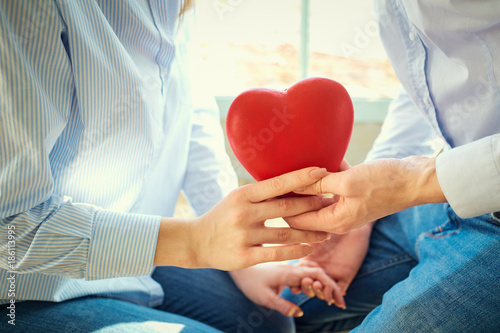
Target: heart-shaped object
(273,132)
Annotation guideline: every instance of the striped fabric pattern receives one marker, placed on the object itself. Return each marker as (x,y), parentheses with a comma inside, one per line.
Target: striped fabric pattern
(96,135)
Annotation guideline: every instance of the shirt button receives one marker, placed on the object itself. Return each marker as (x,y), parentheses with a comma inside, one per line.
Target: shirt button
(426,101)
(412,36)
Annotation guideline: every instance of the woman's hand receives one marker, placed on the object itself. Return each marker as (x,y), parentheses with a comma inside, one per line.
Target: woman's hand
(230,236)
(263,284)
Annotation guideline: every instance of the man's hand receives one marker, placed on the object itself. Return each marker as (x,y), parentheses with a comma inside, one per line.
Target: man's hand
(262,284)
(369,191)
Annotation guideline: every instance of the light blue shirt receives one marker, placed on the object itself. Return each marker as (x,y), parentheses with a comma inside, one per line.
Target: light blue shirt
(98,136)
(447,56)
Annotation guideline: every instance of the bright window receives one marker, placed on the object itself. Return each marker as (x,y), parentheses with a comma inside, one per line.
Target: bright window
(273,43)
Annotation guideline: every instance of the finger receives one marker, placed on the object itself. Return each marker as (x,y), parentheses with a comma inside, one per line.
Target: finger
(323,286)
(283,306)
(306,285)
(267,235)
(287,207)
(336,294)
(321,220)
(295,290)
(260,254)
(283,184)
(317,286)
(328,184)
(339,300)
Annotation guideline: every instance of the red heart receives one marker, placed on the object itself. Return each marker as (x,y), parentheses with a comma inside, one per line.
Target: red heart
(273,132)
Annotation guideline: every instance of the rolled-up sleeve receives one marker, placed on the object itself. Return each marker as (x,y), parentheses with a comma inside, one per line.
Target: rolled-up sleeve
(469,176)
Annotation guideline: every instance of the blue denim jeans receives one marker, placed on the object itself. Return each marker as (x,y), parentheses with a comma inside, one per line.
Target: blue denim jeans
(192,297)
(427,270)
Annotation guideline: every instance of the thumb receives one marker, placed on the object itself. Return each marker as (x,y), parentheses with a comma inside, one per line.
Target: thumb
(283,306)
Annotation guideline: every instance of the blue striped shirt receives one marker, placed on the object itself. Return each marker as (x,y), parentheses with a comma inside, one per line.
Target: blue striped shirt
(98,136)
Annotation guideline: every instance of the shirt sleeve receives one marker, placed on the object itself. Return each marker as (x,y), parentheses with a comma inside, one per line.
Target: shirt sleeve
(52,234)
(469,176)
(405,132)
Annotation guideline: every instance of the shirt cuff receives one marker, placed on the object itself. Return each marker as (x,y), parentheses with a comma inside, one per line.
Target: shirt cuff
(122,244)
(469,177)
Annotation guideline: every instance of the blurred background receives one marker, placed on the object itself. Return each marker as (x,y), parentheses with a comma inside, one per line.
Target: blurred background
(257,43)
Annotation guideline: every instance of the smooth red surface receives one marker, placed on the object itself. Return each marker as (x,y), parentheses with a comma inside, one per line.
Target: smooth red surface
(274,132)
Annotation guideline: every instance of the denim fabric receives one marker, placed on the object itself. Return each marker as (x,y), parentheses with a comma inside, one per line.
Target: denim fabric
(427,270)
(96,314)
(203,295)
(210,296)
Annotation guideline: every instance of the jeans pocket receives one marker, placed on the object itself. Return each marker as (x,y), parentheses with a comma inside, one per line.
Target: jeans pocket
(494,218)
(450,227)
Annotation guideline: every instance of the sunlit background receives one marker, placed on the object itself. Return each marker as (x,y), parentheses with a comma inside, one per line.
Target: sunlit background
(256,43)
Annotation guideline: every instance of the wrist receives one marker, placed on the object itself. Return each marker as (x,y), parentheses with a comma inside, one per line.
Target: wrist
(174,246)
(425,188)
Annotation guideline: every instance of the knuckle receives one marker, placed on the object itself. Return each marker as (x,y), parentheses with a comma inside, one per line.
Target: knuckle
(246,258)
(273,255)
(277,184)
(239,239)
(239,193)
(284,235)
(284,205)
(304,177)
(240,215)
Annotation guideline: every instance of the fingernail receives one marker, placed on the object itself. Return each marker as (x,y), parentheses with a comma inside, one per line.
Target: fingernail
(298,313)
(310,292)
(319,293)
(318,173)
(331,302)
